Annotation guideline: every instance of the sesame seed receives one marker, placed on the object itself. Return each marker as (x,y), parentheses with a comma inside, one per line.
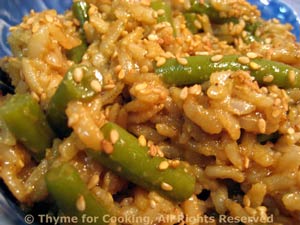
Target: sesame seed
(35,96)
(292,76)
(252,55)
(268,40)
(268,78)
(243,60)
(254,66)
(96,86)
(80,203)
(114,136)
(35,27)
(109,86)
(160,61)
(121,74)
(154,14)
(49,18)
(198,24)
(152,37)
(246,201)
(78,74)
(142,140)
(144,69)
(163,165)
(118,68)
(93,181)
(73,119)
(277,101)
(140,86)
(246,162)
(175,163)
(160,12)
(291,130)
(183,93)
(244,34)
(182,61)
(107,146)
(152,204)
(166,187)
(216,58)
(262,125)
(195,89)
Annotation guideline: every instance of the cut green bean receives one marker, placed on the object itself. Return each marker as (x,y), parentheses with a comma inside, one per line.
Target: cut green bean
(27,122)
(80,12)
(132,161)
(199,68)
(68,90)
(166,12)
(207,9)
(190,19)
(65,186)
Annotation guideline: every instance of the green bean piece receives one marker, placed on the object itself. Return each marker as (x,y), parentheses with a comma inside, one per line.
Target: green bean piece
(80,11)
(190,22)
(131,160)
(199,68)
(210,11)
(75,54)
(166,16)
(65,186)
(27,122)
(69,90)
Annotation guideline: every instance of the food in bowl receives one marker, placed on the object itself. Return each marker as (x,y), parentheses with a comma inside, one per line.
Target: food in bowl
(153,112)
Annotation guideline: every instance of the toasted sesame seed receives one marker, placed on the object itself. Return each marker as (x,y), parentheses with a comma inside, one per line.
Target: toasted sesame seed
(216,58)
(144,69)
(118,68)
(78,74)
(96,86)
(35,27)
(202,53)
(277,101)
(49,18)
(93,181)
(195,89)
(244,60)
(142,140)
(160,61)
(292,76)
(268,78)
(246,162)
(262,125)
(114,136)
(254,66)
(291,130)
(107,146)
(183,93)
(268,40)
(251,55)
(121,74)
(160,12)
(35,96)
(166,187)
(244,34)
(73,119)
(141,86)
(182,61)
(163,165)
(175,163)
(152,204)
(80,203)
(13,28)
(109,86)
(198,24)
(246,201)
(152,37)
(154,14)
